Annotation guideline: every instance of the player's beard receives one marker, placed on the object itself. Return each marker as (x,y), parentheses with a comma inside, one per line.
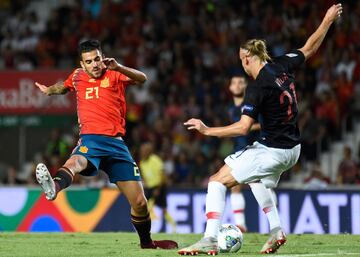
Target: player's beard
(239,95)
(97,73)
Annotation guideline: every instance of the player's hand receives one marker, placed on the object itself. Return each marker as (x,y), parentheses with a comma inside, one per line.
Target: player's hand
(43,88)
(197,125)
(333,13)
(111,63)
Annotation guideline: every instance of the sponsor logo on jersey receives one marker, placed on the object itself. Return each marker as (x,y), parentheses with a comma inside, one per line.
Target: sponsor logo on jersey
(136,170)
(291,55)
(105,83)
(83,149)
(247,107)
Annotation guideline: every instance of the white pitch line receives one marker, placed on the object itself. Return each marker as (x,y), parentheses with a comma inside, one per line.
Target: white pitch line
(316,254)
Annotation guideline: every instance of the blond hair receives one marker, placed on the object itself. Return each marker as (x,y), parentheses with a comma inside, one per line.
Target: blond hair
(257,47)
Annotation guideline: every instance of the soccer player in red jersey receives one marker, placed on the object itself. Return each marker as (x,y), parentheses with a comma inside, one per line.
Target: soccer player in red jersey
(100,89)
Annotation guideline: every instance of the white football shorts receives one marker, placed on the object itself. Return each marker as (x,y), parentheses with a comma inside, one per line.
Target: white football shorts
(258,162)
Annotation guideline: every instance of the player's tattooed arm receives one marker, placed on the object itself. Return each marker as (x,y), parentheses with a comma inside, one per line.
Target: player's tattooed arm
(135,76)
(56,89)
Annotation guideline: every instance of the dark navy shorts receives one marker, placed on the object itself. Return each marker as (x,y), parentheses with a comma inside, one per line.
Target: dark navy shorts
(108,154)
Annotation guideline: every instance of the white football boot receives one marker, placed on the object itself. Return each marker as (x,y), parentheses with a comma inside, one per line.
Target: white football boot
(46,182)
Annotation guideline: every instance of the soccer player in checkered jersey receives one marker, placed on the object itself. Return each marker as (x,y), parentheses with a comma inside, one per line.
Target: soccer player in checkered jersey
(271,94)
(100,86)
(238,84)
(237,88)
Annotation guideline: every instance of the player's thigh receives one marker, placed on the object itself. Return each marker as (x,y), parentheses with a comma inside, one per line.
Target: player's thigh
(120,170)
(76,163)
(250,164)
(224,176)
(236,189)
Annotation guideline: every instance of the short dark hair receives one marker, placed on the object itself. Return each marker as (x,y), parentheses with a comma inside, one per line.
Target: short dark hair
(89,45)
(238,73)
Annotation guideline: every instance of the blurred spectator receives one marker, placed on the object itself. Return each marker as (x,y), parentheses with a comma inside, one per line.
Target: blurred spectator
(344,91)
(201,171)
(327,111)
(348,170)
(3,172)
(155,183)
(313,132)
(316,179)
(298,174)
(26,173)
(169,167)
(346,65)
(56,146)
(182,170)
(11,178)
(188,49)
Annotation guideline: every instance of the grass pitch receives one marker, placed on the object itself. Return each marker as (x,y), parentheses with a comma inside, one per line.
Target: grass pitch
(126,244)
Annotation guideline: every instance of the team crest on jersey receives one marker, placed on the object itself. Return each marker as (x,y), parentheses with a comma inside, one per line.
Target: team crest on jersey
(247,107)
(105,82)
(83,149)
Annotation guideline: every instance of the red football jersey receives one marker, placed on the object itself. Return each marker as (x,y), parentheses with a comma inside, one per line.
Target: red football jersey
(101,106)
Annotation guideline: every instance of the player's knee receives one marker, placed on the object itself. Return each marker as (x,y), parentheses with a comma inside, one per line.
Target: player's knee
(76,163)
(236,189)
(140,204)
(224,179)
(215,178)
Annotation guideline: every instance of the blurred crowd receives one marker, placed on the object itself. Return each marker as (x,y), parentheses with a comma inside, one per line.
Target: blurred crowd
(189,51)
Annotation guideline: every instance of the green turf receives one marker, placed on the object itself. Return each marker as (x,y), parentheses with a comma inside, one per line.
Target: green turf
(126,244)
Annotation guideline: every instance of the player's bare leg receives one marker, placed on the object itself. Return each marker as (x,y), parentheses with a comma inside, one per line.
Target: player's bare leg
(62,179)
(140,217)
(237,201)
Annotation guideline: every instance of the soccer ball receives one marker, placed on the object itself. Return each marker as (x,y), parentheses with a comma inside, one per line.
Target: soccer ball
(230,238)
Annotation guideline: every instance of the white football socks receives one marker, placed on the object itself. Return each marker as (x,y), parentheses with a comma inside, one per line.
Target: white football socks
(215,205)
(274,196)
(238,208)
(265,200)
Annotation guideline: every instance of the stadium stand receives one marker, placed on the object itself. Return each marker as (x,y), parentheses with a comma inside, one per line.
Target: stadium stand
(189,50)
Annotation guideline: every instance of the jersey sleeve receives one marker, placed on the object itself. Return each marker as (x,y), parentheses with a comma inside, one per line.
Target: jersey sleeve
(291,60)
(123,79)
(252,101)
(69,83)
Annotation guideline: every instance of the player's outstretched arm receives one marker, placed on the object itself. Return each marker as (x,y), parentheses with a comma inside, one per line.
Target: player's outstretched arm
(56,89)
(136,77)
(314,41)
(239,128)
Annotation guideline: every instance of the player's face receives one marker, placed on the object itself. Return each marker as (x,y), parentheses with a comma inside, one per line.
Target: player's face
(237,86)
(244,57)
(92,63)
